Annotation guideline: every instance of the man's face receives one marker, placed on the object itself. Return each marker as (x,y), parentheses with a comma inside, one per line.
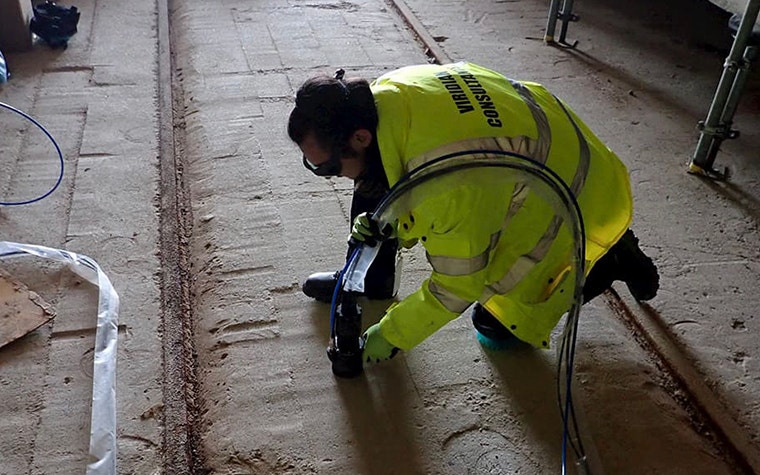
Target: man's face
(315,157)
(351,157)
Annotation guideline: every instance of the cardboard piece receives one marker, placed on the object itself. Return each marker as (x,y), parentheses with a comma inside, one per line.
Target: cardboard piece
(21,310)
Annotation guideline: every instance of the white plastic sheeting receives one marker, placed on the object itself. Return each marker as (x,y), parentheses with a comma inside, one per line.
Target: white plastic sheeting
(103,416)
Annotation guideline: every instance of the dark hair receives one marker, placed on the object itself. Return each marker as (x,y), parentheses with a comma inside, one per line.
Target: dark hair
(333,109)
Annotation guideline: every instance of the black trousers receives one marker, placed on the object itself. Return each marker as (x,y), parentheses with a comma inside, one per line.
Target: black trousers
(601,277)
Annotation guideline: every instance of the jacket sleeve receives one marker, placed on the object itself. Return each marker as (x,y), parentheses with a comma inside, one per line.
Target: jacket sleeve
(441,297)
(410,321)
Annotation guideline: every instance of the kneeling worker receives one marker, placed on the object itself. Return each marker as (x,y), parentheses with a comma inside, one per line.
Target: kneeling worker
(514,271)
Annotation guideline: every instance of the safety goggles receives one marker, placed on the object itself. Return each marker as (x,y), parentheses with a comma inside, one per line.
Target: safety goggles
(331,167)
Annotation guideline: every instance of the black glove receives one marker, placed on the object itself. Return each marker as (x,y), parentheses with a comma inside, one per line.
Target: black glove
(365,229)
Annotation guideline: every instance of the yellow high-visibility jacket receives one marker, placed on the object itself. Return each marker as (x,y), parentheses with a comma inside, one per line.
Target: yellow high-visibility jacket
(518,267)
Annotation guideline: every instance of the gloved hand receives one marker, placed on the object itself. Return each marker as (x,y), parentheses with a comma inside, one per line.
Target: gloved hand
(365,229)
(375,347)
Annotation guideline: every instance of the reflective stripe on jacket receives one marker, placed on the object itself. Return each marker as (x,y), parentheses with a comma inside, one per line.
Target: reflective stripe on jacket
(501,245)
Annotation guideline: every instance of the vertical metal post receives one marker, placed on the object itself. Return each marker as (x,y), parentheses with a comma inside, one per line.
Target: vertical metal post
(717,124)
(565,14)
(551,24)
(750,54)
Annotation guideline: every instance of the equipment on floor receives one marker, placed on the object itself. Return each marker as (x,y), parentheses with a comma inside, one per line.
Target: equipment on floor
(345,348)
(55,24)
(491,168)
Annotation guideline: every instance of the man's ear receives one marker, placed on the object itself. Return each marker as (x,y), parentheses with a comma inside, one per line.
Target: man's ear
(361,139)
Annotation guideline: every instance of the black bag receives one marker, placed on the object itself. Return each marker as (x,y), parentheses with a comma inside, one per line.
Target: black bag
(54,24)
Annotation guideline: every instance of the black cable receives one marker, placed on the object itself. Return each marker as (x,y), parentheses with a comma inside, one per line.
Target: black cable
(562,190)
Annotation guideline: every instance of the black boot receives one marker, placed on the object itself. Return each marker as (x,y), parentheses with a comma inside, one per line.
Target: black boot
(635,268)
(321,286)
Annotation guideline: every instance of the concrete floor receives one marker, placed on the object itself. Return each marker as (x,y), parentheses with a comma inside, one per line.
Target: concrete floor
(182,184)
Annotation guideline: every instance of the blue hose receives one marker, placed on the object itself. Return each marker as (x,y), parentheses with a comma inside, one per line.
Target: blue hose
(338,286)
(57,148)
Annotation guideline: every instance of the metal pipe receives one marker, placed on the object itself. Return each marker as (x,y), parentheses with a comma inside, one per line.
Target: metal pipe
(713,132)
(551,24)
